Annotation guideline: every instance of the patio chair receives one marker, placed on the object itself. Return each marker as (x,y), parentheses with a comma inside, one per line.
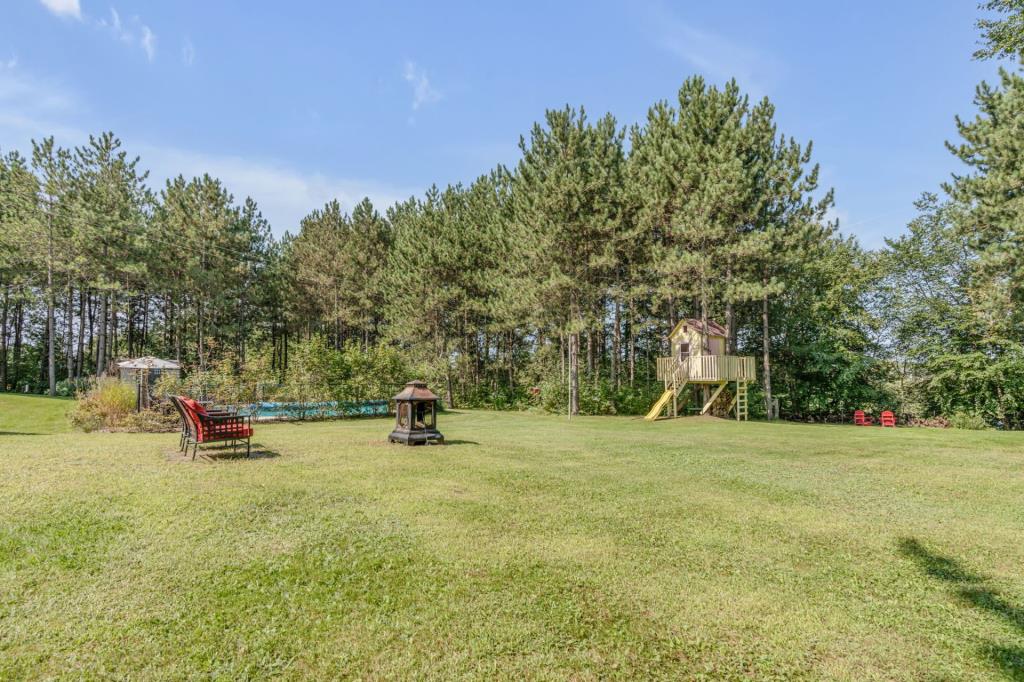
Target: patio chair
(888,419)
(186,422)
(208,427)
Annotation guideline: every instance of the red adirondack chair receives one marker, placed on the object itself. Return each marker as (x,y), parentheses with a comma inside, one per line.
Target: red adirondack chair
(211,428)
(888,419)
(861,419)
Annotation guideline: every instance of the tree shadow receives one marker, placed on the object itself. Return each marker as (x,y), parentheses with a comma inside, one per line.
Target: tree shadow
(21,433)
(971,588)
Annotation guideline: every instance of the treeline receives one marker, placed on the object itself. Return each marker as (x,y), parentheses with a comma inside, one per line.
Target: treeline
(553,282)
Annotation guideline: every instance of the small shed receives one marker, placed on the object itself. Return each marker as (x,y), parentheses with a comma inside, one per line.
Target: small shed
(690,338)
(144,372)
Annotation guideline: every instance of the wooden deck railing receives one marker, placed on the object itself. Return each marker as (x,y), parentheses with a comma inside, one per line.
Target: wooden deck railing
(707,368)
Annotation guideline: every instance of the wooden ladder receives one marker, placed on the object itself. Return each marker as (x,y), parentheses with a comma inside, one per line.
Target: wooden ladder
(741,400)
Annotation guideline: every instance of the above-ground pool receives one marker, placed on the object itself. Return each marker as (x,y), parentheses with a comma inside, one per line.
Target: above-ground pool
(317,410)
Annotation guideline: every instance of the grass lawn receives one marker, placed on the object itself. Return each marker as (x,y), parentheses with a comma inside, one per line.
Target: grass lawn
(528,547)
(33,415)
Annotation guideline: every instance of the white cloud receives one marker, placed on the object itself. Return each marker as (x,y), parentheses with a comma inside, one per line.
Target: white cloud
(64,8)
(285,195)
(148,41)
(133,32)
(116,28)
(422,91)
(188,53)
(713,55)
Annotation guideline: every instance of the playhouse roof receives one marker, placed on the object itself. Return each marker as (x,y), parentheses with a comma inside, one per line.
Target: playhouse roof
(714,329)
(149,362)
(416,390)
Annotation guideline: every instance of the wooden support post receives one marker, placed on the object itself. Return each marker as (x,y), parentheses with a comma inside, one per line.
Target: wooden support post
(714,396)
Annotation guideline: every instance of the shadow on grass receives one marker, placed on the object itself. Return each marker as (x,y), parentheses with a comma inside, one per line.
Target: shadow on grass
(224,453)
(460,442)
(971,588)
(21,433)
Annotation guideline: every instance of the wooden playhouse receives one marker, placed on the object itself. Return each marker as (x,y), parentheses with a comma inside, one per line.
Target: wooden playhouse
(699,365)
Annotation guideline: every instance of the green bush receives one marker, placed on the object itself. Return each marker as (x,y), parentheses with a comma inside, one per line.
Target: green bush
(150,421)
(317,373)
(67,388)
(595,398)
(109,404)
(968,421)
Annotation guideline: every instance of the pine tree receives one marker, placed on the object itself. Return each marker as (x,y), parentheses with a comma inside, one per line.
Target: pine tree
(991,145)
(1002,37)
(566,203)
(114,201)
(19,229)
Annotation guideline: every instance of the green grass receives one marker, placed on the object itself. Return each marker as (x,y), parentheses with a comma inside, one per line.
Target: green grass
(527,548)
(33,414)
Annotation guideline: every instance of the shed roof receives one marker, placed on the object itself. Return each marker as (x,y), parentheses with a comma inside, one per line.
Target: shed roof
(714,329)
(416,390)
(149,362)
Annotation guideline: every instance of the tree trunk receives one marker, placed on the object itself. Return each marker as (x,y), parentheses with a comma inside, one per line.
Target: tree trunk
(199,333)
(145,322)
(112,338)
(631,343)
(705,389)
(101,336)
(616,345)
(51,359)
(574,374)
(730,329)
(130,327)
(91,346)
(69,341)
(19,325)
(766,345)
(80,355)
(561,358)
(730,316)
(3,341)
(590,353)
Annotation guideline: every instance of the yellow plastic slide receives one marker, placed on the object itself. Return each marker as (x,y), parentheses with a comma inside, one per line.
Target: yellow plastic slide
(659,406)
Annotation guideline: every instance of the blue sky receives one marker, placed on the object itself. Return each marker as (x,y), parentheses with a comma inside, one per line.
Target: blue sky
(296,103)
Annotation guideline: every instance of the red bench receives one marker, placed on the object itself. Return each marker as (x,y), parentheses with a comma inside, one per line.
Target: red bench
(208,427)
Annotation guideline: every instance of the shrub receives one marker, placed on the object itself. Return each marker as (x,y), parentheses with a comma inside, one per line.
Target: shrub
(594,399)
(107,405)
(149,421)
(929,422)
(968,421)
(67,388)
